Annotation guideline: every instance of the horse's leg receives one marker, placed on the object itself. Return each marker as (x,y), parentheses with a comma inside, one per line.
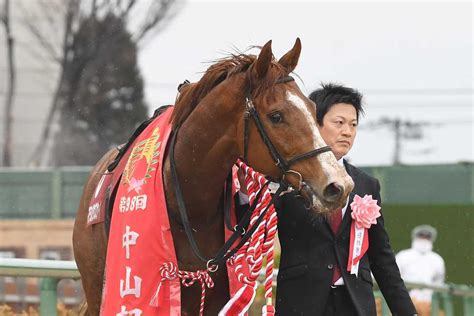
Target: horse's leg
(90,242)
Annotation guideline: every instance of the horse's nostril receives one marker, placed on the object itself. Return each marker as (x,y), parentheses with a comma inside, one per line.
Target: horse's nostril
(333,192)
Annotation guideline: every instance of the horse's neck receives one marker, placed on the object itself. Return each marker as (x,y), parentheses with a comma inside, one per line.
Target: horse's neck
(205,152)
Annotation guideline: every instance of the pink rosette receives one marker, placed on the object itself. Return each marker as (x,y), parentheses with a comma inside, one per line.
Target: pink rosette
(365,211)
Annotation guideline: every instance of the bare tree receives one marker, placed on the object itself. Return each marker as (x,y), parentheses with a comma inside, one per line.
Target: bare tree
(105,102)
(143,18)
(8,118)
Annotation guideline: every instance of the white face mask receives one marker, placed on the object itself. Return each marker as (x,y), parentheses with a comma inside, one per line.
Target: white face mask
(422,245)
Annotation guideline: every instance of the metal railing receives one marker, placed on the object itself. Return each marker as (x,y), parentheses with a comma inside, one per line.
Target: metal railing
(442,297)
(52,271)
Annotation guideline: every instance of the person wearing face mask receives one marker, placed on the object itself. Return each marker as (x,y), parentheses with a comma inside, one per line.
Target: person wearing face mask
(420,264)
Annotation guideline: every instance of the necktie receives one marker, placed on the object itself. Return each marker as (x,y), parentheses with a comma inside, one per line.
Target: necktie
(335,222)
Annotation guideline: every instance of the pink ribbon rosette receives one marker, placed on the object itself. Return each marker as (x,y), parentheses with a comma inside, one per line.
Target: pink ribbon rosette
(365,212)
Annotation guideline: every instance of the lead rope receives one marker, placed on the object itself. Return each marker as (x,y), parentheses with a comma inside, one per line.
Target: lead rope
(260,246)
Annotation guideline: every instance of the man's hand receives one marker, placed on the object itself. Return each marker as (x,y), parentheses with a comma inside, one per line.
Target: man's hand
(243,187)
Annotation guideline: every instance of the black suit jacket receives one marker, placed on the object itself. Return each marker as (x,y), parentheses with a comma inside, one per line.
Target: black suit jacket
(310,250)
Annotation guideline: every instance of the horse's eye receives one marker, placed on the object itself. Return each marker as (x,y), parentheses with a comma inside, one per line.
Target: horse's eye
(275,117)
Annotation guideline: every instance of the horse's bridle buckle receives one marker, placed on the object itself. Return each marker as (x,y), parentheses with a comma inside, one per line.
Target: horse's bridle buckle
(211,267)
(300,181)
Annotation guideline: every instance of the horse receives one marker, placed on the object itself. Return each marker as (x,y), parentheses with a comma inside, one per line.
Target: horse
(244,106)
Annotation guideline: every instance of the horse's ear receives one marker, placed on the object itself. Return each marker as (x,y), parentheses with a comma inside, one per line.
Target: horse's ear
(262,64)
(290,59)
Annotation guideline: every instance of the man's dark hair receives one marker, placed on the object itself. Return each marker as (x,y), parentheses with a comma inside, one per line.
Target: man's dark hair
(330,94)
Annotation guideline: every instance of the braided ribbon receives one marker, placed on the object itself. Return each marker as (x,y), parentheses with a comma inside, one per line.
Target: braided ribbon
(259,246)
(169,271)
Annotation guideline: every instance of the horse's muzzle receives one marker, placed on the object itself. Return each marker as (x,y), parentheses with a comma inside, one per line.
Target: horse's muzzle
(331,198)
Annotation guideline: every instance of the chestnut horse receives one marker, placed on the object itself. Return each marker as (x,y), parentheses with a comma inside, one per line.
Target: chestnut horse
(213,134)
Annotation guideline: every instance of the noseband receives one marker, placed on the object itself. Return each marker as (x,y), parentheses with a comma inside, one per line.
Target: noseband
(280,161)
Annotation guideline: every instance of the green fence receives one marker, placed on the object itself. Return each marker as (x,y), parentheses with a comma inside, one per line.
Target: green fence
(55,193)
(36,194)
(430,184)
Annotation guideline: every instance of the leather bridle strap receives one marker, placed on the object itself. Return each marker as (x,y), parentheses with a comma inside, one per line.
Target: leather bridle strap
(247,114)
(281,162)
(180,200)
(245,219)
(228,202)
(308,155)
(246,133)
(224,253)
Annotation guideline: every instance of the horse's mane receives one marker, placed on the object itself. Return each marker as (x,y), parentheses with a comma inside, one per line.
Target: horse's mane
(191,94)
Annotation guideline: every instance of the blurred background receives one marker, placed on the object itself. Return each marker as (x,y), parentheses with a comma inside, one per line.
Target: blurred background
(76,77)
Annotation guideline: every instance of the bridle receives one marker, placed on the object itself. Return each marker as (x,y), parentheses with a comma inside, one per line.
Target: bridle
(280,161)
(225,252)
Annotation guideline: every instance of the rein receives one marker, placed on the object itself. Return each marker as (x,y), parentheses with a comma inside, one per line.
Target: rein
(239,230)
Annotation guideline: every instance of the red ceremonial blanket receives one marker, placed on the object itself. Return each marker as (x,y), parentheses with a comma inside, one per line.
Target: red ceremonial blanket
(140,238)
(141,276)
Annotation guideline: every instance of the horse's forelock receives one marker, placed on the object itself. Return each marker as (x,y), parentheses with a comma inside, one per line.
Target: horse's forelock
(274,74)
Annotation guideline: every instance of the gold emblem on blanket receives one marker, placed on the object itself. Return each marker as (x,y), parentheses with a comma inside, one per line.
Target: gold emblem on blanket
(149,149)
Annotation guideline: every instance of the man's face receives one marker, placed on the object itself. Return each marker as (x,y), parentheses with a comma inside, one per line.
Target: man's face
(339,128)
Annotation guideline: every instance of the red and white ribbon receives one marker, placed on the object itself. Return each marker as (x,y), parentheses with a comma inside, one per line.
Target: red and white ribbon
(359,243)
(169,271)
(259,246)
(365,212)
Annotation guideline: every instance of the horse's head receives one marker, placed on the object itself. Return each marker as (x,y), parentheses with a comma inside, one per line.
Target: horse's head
(281,138)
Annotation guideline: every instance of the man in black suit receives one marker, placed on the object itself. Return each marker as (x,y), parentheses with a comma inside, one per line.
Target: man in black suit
(313,277)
